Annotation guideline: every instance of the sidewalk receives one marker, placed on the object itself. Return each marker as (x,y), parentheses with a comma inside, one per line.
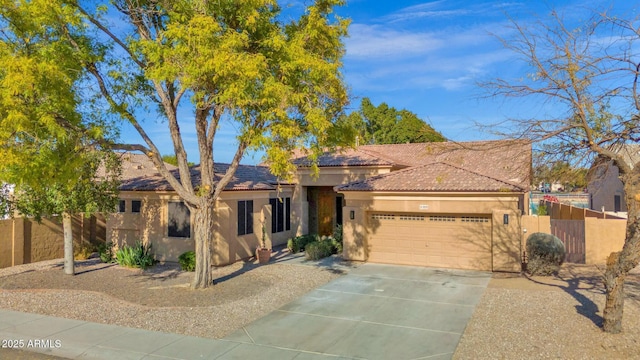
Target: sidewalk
(75,339)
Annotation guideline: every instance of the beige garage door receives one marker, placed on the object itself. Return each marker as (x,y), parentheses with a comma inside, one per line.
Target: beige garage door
(443,240)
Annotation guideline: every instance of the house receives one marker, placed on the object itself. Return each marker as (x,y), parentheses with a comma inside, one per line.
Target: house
(455,205)
(150,211)
(604,185)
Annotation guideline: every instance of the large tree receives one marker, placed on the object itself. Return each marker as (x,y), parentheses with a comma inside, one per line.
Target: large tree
(49,149)
(585,79)
(277,80)
(383,124)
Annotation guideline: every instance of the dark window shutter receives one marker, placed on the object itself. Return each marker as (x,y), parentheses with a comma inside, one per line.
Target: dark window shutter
(274,214)
(241,218)
(280,217)
(287,213)
(250,217)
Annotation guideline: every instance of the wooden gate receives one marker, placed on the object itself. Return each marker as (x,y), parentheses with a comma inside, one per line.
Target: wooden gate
(571,233)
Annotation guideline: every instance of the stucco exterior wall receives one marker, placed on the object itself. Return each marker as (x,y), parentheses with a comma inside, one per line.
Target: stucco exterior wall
(332,176)
(151,224)
(602,237)
(23,241)
(506,237)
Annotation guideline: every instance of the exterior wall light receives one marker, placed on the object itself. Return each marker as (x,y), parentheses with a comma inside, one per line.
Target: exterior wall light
(352,214)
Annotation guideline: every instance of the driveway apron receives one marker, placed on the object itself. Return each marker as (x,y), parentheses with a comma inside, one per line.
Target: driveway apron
(375,312)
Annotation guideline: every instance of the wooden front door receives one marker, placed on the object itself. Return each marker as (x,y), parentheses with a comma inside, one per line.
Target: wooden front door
(326,211)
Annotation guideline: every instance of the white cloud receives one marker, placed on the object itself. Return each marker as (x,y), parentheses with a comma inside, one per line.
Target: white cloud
(375,41)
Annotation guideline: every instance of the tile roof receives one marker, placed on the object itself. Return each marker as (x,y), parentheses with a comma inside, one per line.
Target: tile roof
(432,177)
(342,157)
(139,174)
(504,160)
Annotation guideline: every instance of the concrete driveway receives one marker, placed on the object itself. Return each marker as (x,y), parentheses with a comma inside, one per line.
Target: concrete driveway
(375,312)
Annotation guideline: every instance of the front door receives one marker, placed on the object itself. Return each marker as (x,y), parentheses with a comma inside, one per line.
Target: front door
(326,211)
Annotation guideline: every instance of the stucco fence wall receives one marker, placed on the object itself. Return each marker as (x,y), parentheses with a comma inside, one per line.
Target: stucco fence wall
(601,236)
(24,241)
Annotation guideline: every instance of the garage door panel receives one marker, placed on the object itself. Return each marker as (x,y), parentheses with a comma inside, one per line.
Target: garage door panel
(450,241)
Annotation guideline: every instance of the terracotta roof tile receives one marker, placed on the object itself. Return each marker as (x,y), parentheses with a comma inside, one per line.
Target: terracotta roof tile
(139,174)
(431,177)
(343,157)
(507,160)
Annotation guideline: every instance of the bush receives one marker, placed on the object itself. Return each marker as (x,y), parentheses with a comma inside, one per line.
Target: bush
(293,245)
(138,256)
(337,239)
(187,261)
(105,250)
(545,254)
(299,243)
(83,251)
(317,250)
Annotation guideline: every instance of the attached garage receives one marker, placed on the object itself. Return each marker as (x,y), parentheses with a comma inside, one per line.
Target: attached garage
(461,241)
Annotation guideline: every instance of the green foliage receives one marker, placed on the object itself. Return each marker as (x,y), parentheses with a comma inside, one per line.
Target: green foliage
(293,245)
(105,250)
(385,125)
(559,172)
(316,250)
(300,242)
(545,254)
(187,261)
(173,160)
(138,256)
(542,210)
(65,74)
(337,239)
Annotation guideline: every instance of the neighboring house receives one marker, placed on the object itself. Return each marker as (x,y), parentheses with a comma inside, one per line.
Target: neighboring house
(604,185)
(455,205)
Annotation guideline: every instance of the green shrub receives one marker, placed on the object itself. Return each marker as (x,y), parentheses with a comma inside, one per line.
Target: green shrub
(545,254)
(138,256)
(542,210)
(188,261)
(105,250)
(293,245)
(317,250)
(337,239)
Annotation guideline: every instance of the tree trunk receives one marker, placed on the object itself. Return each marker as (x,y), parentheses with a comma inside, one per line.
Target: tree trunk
(620,263)
(203,233)
(614,307)
(67,229)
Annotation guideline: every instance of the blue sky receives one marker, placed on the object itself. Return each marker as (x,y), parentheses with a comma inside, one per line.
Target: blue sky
(426,57)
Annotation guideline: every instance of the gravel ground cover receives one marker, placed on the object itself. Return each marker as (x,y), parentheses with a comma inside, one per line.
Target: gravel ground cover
(550,318)
(158,298)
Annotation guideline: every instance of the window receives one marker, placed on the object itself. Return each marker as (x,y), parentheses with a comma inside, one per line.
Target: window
(442,218)
(122,206)
(411,218)
(245,217)
(474,219)
(617,203)
(179,220)
(383,217)
(280,214)
(135,206)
